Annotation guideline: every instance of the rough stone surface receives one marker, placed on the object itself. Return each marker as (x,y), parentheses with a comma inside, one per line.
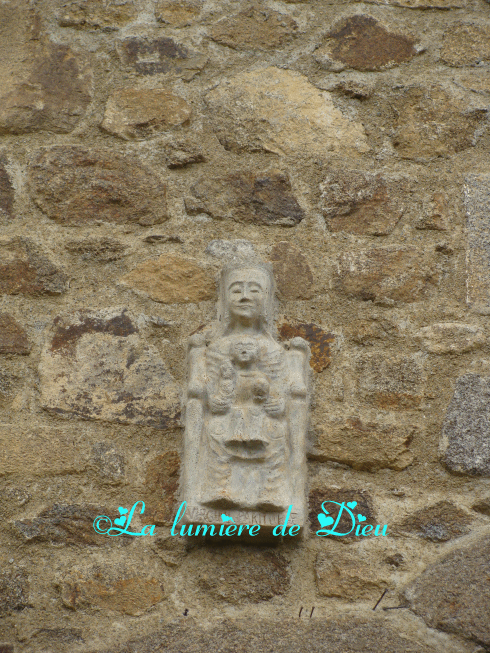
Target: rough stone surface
(161,486)
(182,152)
(453,594)
(13,338)
(279,111)
(25,270)
(363,43)
(14,591)
(340,495)
(108,15)
(100,250)
(423,4)
(451,338)
(236,575)
(438,523)
(431,122)
(178,13)
(392,272)
(74,185)
(96,366)
(263,198)
(392,382)
(466,44)
(140,113)
(437,213)
(163,55)
(348,575)
(109,462)
(292,273)
(320,341)
(482,506)
(6,192)
(466,429)
(227,249)
(258,27)
(171,279)
(363,202)
(477,202)
(363,444)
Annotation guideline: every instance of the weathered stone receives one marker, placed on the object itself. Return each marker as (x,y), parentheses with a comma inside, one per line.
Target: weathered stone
(451,338)
(64,525)
(466,44)
(339,495)
(109,589)
(437,214)
(292,273)
(391,382)
(140,113)
(108,15)
(227,249)
(40,452)
(6,192)
(239,575)
(430,122)
(438,523)
(482,506)
(363,444)
(320,341)
(178,13)
(255,28)
(162,55)
(423,4)
(183,152)
(369,331)
(101,250)
(279,111)
(363,202)
(14,591)
(251,197)
(161,486)
(466,429)
(393,272)
(349,574)
(109,462)
(13,338)
(171,279)
(362,43)
(453,594)
(25,270)
(360,89)
(73,185)
(96,366)
(477,202)
(474,80)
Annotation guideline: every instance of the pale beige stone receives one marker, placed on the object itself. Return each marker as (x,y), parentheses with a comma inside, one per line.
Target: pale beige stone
(279,111)
(171,279)
(108,15)
(466,44)
(178,13)
(350,575)
(451,338)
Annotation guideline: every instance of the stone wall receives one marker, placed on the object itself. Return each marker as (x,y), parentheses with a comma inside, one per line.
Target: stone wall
(142,144)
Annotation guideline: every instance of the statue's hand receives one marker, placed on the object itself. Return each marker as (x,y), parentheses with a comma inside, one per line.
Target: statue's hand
(275,406)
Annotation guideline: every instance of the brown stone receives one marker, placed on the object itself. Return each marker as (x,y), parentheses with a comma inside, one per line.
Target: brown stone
(162,55)
(13,338)
(264,198)
(482,506)
(101,250)
(279,111)
(451,338)
(73,185)
(393,272)
(6,192)
(178,13)
(25,270)
(292,273)
(320,341)
(363,202)
(391,382)
(95,365)
(239,575)
(430,122)
(139,113)
(183,152)
(124,591)
(14,591)
(255,28)
(40,451)
(93,14)
(161,486)
(349,574)
(466,44)
(362,43)
(340,495)
(438,523)
(437,213)
(171,279)
(368,332)
(363,444)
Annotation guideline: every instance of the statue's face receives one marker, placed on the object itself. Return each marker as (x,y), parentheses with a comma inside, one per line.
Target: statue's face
(245,351)
(246,293)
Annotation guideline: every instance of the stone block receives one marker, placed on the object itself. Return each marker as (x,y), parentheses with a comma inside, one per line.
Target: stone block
(178,13)
(107,16)
(77,186)
(465,441)
(477,203)
(392,382)
(99,250)
(161,488)
(14,591)
(466,44)
(320,341)
(162,55)
(438,523)
(255,28)
(451,338)
(109,463)
(293,275)
(180,152)
(364,506)
(482,506)
(13,338)
(6,191)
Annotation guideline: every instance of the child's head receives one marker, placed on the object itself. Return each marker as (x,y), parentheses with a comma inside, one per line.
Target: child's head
(244,351)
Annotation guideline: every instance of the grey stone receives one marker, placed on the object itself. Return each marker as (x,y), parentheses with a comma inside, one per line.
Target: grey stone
(477,202)
(466,428)
(438,523)
(226,249)
(109,462)
(14,591)
(453,594)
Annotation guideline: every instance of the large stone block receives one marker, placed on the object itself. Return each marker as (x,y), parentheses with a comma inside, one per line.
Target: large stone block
(178,13)
(438,523)
(108,15)
(257,27)
(451,338)
(162,55)
(74,185)
(293,275)
(13,338)
(392,382)
(466,430)
(95,365)
(477,202)
(466,44)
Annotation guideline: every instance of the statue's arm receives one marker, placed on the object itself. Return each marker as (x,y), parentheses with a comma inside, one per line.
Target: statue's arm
(196,388)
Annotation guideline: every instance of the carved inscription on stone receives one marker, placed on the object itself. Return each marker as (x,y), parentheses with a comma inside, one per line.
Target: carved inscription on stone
(246,409)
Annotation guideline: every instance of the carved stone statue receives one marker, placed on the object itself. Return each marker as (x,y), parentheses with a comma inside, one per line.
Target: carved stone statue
(246,410)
